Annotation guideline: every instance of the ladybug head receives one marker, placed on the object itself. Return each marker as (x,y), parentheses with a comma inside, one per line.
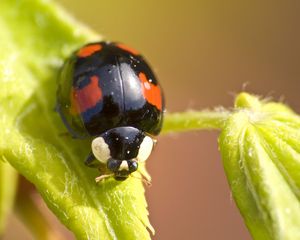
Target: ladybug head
(122,149)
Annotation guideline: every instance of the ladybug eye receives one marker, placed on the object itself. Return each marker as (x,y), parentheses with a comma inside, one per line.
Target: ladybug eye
(132,166)
(100,149)
(145,149)
(113,165)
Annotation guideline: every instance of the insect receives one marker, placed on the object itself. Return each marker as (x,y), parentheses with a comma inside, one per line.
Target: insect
(107,92)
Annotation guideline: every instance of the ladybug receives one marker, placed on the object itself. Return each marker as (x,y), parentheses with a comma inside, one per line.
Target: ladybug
(108,93)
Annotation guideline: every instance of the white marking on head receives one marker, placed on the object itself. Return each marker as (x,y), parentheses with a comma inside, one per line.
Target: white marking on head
(100,149)
(123,166)
(145,149)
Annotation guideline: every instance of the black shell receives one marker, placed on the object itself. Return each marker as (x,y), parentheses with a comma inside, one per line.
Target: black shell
(103,89)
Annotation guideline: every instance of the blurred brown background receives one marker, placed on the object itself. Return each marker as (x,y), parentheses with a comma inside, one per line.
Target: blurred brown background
(203,52)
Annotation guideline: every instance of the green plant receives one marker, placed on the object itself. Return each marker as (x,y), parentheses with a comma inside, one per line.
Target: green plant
(260,141)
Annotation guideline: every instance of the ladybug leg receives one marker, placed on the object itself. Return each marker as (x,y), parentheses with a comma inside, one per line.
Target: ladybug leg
(65,134)
(91,161)
(56,108)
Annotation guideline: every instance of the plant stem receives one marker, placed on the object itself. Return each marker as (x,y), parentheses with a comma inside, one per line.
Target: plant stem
(195,120)
(31,215)
(8,184)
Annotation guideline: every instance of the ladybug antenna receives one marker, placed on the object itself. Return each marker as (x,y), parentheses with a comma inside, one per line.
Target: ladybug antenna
(144,180)
(100,178)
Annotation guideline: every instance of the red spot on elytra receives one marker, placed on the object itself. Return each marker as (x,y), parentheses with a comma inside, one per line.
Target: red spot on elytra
(127,49)
(87,97)
(151,92)
(89,50)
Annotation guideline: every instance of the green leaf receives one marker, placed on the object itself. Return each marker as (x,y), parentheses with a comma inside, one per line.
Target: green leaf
(8,184)
(260,146)
(35,37)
